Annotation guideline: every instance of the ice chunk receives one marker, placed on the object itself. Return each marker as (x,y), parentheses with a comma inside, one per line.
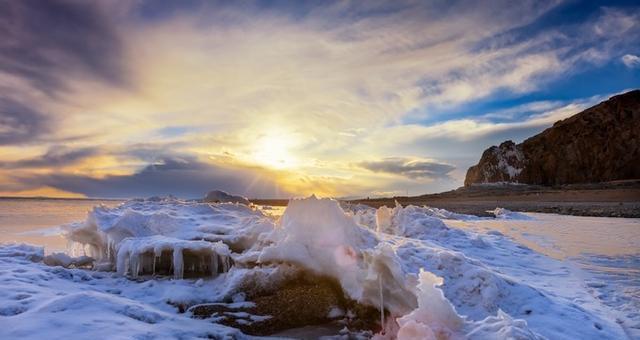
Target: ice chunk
(384,283)
(64,260)
(410,221)
(504,214)
(144,255)
(318,235)
(23,251)
(105,228)
(383,219)
(435,317)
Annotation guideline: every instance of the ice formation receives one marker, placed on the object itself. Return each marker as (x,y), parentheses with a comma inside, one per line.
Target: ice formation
(428,280)
(434,318)
(22,251)
(140,235)
(64,260)
(506,214)
(146,255)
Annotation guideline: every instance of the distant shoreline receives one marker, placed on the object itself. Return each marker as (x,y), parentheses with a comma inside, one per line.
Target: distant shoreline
(611,199)
(35,198)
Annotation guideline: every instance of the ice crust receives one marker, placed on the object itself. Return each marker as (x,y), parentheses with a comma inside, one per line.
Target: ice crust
(505,214)
(433,281)
(132,237)
(64,260)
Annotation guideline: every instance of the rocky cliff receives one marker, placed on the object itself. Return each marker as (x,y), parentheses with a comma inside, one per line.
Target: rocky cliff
(599,144)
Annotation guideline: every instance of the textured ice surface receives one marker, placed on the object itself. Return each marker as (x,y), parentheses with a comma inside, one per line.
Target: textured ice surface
(133,236)
(64,260)
(434,280)
(505,214)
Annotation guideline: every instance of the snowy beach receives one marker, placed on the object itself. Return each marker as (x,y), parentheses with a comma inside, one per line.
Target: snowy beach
(160,263)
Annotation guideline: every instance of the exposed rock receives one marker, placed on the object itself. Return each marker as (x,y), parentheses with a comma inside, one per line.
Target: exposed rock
(599,144)
(502,163)
(219,196)
(304,301)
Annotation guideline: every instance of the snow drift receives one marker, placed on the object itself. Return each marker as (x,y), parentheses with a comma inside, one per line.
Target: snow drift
(427,279)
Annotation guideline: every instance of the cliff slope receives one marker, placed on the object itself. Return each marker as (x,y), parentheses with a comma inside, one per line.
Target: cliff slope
(599,144)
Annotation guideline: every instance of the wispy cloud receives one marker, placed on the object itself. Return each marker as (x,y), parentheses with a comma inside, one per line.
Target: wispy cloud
(183,177)
(293,94)
(46,42)
(55,157)
(630,60)
(413,168)
(20,123)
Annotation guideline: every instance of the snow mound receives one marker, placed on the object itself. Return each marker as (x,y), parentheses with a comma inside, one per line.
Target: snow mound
(120,318)
(23,251)
(316,234)
(428,280)
(381,219)
(502,326)
(504,214)
(64,260)
(435,317)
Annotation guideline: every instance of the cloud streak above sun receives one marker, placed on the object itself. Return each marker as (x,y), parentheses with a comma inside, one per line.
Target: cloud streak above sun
(121,99)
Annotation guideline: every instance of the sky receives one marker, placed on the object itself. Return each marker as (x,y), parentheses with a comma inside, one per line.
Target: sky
(275,99)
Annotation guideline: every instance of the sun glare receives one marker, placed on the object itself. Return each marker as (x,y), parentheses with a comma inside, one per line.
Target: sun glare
(274,150)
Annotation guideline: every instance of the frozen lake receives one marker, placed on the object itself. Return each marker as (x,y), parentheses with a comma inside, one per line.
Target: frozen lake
(600,255)
(607,249)
(33,221)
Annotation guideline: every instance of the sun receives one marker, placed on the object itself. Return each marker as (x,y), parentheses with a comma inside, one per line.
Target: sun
(274,150)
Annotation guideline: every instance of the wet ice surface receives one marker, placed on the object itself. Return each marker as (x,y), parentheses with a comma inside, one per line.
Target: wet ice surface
(37,221)
(438,273)
(606,250)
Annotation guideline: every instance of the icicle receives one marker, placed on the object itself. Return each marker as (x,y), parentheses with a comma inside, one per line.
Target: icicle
(225,264)
(381,302)
(214,264)
(154,264)
(178,264)
(133,264)
(138,267)
(123,263)
(108,248)
(121,259)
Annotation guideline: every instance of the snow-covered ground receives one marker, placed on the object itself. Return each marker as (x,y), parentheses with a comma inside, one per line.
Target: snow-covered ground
(438,274)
